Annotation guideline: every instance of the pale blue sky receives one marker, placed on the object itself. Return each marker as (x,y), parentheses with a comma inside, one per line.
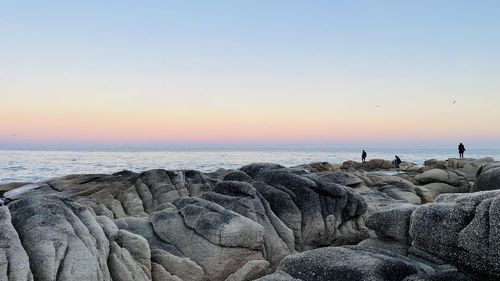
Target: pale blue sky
(304,67)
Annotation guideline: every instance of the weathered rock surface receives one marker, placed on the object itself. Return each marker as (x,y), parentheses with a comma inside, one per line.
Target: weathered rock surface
(470,169)
(488,177)
(463,230)
(347,263)
(392,222)
(319,211)
(319,167)
(62,239)
(242,224)
(14,261)
(438,181)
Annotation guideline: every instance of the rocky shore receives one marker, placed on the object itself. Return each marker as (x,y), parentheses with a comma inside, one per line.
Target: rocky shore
(320,221)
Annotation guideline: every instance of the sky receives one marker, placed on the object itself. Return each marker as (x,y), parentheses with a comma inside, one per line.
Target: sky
(339,73)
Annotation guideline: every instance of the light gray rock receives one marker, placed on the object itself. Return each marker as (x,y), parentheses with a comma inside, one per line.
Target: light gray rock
(138,248)
(180,267)
(437,188)
(244,199)
(471,168)
(14,262)
(372,164)
(399,191)
(462,229)
(219,240)
(437,175)
(161,274)
(123,266)
(62,239)
(458,163)
(342,178)
(250,271)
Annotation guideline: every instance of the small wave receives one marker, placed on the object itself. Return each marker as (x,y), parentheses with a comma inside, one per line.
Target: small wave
(15,168)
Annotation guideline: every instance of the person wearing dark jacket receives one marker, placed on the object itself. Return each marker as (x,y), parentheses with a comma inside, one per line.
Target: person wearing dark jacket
(396,161)
(363,156)
(461,150)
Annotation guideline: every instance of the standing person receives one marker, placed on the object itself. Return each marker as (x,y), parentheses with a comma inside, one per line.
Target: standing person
(461,150)
(363,156)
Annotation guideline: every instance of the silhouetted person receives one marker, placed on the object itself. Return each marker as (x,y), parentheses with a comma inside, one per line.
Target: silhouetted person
(396,161)
(461,150)
(363,156)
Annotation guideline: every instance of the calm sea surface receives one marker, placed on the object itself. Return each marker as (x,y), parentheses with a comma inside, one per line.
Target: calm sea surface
(38,165)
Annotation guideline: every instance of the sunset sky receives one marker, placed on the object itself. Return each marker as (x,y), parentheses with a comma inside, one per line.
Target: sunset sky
(337,73)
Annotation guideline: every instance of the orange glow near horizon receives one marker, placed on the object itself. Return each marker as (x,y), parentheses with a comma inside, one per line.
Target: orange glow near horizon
(154,124)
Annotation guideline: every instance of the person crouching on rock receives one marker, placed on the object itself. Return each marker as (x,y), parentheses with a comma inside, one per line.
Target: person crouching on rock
(363,156)
(461,150)
(397,161)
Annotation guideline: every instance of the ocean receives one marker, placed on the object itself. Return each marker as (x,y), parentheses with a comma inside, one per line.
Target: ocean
(32,166)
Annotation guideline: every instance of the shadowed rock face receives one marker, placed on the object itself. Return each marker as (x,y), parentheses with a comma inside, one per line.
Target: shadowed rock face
(319,211)
(454,238)
(487,177)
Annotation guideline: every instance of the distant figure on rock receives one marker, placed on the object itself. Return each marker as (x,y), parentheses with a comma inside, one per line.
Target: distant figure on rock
(461,150)
(396,161)
(363,156)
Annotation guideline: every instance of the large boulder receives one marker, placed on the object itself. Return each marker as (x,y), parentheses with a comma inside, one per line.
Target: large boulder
(342,178)
(318,211)
(471,168)
(459,163)
(14,261)
(392,222)
(347,263)
(438,181)
(63,239)
(372,164)
(488,177)
(219,240)
(244,199)
(319,167)
(462,229)
(399,189)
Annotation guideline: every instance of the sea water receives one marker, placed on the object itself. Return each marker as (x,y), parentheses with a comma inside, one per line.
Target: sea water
(36,165)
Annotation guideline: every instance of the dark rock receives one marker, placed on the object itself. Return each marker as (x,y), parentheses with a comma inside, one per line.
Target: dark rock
(237,176)
(348,263)
(392,222)
(487,178)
